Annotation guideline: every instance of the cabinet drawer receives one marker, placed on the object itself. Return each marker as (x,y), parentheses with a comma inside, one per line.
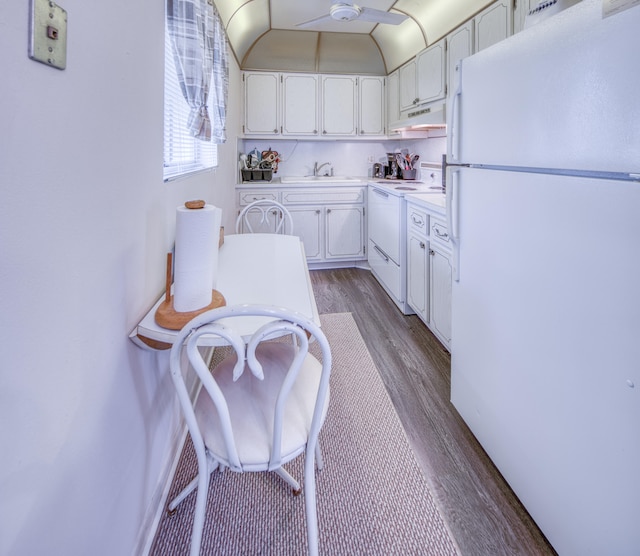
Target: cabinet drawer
(323,196)
(249,196)
(417,220)
(387,272)
(438,232)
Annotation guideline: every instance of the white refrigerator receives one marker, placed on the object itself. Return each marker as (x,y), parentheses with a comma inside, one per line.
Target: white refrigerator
(543,189)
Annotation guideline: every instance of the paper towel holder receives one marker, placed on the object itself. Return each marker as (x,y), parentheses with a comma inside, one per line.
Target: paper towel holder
(166,315)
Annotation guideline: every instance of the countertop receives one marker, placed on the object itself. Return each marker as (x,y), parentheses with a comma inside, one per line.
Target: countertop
(332,181)
(436,202)
(307,181)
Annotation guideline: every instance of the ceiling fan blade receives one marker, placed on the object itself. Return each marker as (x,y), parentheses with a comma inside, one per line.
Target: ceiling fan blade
(378,16)
(314,21)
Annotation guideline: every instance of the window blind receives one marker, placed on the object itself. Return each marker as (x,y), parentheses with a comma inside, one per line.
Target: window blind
(183,153)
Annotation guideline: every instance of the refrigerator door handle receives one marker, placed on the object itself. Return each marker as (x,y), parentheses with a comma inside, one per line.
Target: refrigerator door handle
(452,221)
(453,120)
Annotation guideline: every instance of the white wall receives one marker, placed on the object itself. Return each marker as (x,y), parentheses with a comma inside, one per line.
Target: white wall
(87,419)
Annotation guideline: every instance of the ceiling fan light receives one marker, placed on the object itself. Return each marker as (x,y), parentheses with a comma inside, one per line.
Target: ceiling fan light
(344,12)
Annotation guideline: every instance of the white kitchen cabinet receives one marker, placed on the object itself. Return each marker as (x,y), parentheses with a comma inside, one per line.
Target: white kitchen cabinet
(309,225)
(344,235)
(246,197)
(440,276)
(299,104)
(459,45)
(331,232)
(261,103)
(330,221)
(339,105)
(393,98)
(305,105)
(423,79)
(280,104)
(493,24)
(429,269)
(417,275)
(408,92)
(430,73)
(418,261)
(440,280)
(371,105)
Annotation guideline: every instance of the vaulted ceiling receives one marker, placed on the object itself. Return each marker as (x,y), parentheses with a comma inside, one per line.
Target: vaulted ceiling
(263,34)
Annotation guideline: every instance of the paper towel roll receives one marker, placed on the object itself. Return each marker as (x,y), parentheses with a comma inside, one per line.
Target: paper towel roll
(196,259)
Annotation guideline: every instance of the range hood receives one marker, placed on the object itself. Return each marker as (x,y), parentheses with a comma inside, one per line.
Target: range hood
(428,117)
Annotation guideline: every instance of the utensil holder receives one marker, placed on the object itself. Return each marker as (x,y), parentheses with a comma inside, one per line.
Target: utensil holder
(409,174)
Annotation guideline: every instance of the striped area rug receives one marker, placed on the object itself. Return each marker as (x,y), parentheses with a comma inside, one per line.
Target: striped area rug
(372,496)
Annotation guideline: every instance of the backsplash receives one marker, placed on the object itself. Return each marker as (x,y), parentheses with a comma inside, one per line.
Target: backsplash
(348,158)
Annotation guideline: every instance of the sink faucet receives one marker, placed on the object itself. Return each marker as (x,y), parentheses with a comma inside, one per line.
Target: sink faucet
(316,168)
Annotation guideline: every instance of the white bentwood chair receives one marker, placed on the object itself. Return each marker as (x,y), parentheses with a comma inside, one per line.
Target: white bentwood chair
(227,420)
(265,213)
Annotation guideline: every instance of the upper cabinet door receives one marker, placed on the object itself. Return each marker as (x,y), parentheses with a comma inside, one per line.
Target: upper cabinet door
(261,101)
(371,105)
(339,103)
(430,69)
(299,104)
(460,45)
(393,97)
(493,24)
(408,86)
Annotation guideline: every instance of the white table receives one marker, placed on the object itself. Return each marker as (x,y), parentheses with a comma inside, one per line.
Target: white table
(252,268)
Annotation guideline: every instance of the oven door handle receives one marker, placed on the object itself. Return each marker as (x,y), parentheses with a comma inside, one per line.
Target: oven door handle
(381,253)
(380,192)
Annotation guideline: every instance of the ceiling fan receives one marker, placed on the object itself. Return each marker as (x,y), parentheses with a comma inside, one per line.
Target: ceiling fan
(348,11)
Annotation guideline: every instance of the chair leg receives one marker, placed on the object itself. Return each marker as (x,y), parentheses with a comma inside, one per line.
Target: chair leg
(295,485)
(199,514)
(310,504)
(319,462)
(186,491)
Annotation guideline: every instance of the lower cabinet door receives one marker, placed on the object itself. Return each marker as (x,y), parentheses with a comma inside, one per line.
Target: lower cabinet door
(417,276)
(307,225)
(261,222)
(440,295)
(344,232)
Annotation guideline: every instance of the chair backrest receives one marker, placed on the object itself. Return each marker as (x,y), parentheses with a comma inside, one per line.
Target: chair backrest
(265,215)
(264,371)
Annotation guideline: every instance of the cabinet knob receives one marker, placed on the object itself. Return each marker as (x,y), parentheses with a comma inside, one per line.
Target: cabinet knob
(422,245)
(328,211)
(432,252)
(318,211)
(324,132)
(275,130)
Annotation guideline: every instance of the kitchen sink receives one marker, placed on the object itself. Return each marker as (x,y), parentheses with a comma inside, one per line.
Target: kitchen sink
(319,179)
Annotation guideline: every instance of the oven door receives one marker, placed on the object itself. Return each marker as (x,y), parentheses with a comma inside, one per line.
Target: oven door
(384,221)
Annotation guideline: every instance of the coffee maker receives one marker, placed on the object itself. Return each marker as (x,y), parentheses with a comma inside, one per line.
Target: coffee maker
(392,171)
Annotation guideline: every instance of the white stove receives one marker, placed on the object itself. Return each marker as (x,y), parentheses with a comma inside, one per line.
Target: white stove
(387,228)
(430,181)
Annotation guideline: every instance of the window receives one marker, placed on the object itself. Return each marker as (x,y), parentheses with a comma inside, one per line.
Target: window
(183,153)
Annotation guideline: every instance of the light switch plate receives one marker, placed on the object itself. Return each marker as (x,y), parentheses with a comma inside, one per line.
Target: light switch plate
(48,33)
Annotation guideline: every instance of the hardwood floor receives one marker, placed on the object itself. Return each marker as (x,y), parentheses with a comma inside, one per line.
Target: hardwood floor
(483,514)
